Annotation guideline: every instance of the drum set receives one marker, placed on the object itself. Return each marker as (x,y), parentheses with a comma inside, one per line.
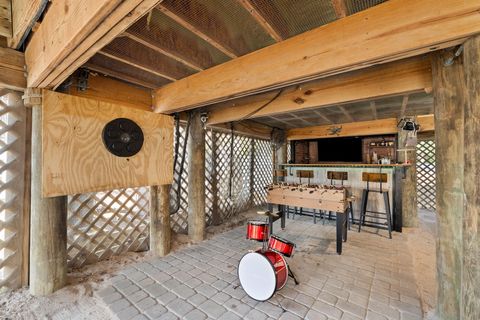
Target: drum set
(264,271)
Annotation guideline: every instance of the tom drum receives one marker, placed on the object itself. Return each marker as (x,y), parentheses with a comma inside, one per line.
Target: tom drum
(257,230)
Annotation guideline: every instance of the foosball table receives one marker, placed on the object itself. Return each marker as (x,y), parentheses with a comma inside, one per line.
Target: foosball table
(328,198)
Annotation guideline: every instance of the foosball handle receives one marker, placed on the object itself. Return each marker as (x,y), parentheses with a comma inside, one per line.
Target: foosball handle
(263,213)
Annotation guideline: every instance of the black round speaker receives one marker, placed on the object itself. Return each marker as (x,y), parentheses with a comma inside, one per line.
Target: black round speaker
(122,137)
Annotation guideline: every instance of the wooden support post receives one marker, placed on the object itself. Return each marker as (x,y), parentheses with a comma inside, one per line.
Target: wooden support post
(48,223)
(456,97)
(196,178)
(160,232)
(408,182)
(471,217)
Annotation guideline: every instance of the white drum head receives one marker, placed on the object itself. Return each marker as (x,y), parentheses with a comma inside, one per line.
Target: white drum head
(257,276)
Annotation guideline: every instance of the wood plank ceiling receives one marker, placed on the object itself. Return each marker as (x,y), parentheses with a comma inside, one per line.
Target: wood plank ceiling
(392,107)
(181,37)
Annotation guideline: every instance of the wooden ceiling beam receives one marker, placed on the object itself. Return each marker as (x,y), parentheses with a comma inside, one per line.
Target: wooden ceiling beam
(136,64)
(24,15)
(324,117)
(12,69)
(373,107)
(158,48)
(404,106)
(72,32)
(114,91)
(392,79)
(187,25)
(346,113)
(340,8)
(119,75)
(360,128)
(261,20)
(391,31)
(6,18)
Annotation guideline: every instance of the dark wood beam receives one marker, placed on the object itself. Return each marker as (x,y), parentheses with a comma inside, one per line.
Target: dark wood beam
(261,20)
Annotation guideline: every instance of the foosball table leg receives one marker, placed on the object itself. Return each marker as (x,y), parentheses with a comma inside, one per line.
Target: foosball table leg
(340,227)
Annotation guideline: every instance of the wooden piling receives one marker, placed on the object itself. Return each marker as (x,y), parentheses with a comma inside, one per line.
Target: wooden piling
(456,90)
(48,224)
(408,183)
(196,178)
(160,232)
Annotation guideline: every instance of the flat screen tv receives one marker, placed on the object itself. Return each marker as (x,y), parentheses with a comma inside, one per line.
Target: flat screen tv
(347,149)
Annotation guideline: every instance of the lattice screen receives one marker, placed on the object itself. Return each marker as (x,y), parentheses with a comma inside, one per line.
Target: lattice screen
(12,162)
(102,224)
(107,223)
(426,174)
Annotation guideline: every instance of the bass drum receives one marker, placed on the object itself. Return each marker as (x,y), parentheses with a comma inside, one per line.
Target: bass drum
(261,274)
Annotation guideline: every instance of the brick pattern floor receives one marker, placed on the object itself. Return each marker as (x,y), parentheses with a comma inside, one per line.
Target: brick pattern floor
(372,279)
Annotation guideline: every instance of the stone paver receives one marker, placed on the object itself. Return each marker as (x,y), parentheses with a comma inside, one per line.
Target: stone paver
(372,279)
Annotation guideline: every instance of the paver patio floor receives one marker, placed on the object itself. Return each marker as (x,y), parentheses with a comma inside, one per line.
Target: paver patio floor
(372,279)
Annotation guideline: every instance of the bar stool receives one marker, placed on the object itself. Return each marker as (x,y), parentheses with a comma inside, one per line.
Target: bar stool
(308,174)
(381,178)
(335,176)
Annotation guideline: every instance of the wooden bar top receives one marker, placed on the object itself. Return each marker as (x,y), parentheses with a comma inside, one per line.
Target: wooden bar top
(357,165)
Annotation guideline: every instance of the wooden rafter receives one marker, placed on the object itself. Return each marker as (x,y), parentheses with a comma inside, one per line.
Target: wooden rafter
(72,32)
(409,27)
(157,47)
(119,75)
(346,113)
(359,128)
(222,47)
(404,106)
(261,20)
(392,79)
(12,69)
(6,18)
(24,15)
(135,64)
(340,8)
(321,115)
(373,107)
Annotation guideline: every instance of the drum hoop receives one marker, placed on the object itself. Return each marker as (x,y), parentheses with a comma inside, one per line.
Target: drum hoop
(273,268)
(283,240)
(280,253)
(286,268)
(257,223)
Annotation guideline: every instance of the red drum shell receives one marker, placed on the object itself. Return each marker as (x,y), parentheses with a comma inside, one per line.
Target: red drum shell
(257,230)
(280,266)
(281,246)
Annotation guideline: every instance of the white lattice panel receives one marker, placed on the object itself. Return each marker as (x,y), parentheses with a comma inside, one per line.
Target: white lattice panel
(426,174)
(108,223)
(12,162)
(103,224)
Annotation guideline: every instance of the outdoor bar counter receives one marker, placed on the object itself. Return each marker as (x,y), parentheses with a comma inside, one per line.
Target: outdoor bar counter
(394,172)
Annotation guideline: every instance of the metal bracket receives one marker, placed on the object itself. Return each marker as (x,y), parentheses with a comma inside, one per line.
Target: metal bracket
(458,51)
(82,81)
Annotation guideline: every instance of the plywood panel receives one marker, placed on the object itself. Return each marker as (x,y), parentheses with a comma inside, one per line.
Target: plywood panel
(75,159)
